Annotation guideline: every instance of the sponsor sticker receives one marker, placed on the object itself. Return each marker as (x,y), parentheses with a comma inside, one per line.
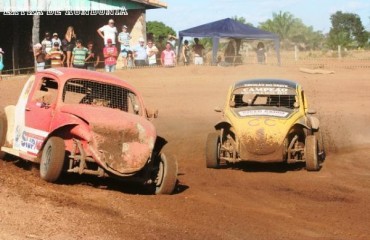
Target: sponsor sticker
(263,112)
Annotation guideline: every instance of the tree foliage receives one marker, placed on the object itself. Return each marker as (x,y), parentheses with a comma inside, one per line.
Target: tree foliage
(347,30)
(241,20)
(292,31)
(159,30)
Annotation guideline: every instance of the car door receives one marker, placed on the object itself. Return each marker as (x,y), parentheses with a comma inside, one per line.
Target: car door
(39,112)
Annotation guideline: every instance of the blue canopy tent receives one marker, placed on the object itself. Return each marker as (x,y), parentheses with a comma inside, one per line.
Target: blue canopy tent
(228,28)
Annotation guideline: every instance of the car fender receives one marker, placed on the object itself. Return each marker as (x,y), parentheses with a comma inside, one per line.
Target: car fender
(314,122)
(10,119)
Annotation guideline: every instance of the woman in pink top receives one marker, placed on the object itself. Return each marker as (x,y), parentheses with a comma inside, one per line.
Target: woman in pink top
(168,56)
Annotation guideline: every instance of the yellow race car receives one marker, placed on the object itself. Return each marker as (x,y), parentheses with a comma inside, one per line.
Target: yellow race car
(266,120)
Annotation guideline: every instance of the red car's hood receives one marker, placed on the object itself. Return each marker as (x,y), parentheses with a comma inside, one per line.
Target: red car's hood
(107,117)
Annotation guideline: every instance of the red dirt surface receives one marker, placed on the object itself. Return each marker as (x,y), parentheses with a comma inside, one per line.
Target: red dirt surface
(251,201)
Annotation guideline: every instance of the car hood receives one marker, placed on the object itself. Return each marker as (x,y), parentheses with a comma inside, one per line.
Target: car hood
(122,142)
(261,133)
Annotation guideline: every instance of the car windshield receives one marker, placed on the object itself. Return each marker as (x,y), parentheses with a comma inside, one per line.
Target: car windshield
(263,96)
(83,91)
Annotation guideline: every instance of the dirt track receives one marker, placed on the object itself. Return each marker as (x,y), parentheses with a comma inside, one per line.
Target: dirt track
(268,201)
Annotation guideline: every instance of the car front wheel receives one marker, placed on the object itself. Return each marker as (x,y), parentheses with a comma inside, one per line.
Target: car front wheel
(52,159)
(311,153)
(167,175)
(213,150)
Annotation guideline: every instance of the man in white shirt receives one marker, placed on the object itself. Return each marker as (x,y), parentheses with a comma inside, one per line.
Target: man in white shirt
(108,32)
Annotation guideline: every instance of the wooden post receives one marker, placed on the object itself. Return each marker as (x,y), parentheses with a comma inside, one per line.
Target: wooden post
(339,52)
(295,53)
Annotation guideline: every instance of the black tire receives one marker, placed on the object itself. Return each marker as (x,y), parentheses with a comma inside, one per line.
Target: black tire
(213,150)
(321,146)
(3,130)
(311,153)
(167,175)
(52,159)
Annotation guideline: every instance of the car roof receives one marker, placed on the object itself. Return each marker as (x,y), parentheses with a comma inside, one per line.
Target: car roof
(289,83)
(64,74)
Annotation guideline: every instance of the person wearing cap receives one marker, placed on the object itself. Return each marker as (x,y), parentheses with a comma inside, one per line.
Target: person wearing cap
(152,51)
(108,31)
(124,39)
(1,61)
(57,56)
(110,56)
(56,39)
(172,39)
(140,54)
(79,55)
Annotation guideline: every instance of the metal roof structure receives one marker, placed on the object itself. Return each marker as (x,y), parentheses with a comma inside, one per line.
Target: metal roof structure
(29,6)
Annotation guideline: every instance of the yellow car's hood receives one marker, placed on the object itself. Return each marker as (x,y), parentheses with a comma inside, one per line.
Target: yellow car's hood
(261,131)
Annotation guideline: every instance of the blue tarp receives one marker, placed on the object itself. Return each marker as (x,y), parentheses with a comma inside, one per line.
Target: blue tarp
(229,28)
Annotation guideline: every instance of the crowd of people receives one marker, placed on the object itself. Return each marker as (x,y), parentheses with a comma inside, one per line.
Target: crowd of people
(71,51)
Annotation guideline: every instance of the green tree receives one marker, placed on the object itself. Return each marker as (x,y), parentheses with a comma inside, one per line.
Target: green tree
(241,20)
(292,31)
(347,30)
(281,24)
(159,30)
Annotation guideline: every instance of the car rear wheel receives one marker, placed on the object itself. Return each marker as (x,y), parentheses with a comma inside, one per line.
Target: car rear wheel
(3,129)
(167,175)
(52,159)
(311,153)
(213,150)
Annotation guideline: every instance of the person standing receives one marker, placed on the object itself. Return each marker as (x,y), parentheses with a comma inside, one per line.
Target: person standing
(70,41)
(1,61)
(186,53)
(92,60)
(56,39)
(124,39)
(56,56)
(168,56)
(39,57)
(46,48)
(108,31)
(198,52)
(110,56)
(261,53)
(151,51)
(79,55)
(140,53)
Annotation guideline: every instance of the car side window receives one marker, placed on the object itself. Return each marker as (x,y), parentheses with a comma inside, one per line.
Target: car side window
(47,92)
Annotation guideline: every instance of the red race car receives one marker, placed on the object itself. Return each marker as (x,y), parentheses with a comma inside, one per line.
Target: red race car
(88,123)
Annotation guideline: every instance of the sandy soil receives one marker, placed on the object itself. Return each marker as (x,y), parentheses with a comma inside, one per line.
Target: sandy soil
(252,201)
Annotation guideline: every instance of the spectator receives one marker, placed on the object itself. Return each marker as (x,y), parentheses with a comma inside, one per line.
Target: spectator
(151,51)
(130,60)
(140,55)
(79,55)
(124,38)
(110,56)
(1,61)
(70,38)
(56,39)
(172,39)
(46,47)
(168,56)
(198,52)
(261,53)
(108,31)
(92,60)
(39,57)
(56,56)
(186,52)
